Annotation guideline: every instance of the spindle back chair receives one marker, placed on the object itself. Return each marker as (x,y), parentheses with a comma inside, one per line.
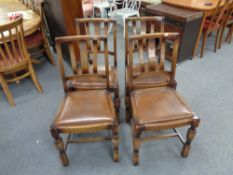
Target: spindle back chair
(14,57)
(215,23)
(228,23)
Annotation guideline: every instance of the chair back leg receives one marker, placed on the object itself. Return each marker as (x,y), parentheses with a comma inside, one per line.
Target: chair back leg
(6,90)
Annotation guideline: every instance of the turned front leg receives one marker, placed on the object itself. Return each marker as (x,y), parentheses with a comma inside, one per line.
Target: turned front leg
(60,146)
(115,142)
(136,144)
(190,136)
(128,111)
(117,99)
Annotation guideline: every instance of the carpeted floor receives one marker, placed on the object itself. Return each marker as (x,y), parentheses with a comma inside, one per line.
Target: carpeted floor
(26,147)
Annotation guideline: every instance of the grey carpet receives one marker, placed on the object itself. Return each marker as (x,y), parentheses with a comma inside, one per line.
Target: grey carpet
(26,147)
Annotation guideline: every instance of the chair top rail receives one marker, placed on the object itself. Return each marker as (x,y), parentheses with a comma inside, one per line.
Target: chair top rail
(154,35)
(72,38)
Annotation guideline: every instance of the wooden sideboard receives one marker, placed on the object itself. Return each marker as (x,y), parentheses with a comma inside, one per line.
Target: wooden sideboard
(186,22)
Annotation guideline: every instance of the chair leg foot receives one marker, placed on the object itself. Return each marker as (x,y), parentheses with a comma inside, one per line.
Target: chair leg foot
(60,147)
(115,142)
(135,157)
(6,91)
(189,137)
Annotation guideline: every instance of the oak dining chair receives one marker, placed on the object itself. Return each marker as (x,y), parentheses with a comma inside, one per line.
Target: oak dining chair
(84,111)
(157,108)
(136,26)
(15,61)
(214,24)
(100,26)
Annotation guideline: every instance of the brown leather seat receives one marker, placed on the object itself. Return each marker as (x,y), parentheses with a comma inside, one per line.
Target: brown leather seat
(150,80)
(74,111)
(34,38)
(158,105)
(96,82)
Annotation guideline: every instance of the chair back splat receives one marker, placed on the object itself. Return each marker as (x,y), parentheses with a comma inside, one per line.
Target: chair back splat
(141,25)
(98,26)
(152,61)
(85,69)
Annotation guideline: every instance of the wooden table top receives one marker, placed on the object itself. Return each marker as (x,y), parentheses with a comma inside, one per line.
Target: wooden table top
(30,25)
(174,12)
(193,4)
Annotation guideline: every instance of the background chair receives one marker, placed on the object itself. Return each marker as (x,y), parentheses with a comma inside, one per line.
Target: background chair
(102,6)
(215,23)
(14,58)
(88,8)
(228,23)
(84,111)
(158,108)
(93,27)
(47,32)
(136,26)
(37,43)
(125,9)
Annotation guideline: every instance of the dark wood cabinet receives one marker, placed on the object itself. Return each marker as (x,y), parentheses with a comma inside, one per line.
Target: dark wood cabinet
(186,22)
(61,16)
